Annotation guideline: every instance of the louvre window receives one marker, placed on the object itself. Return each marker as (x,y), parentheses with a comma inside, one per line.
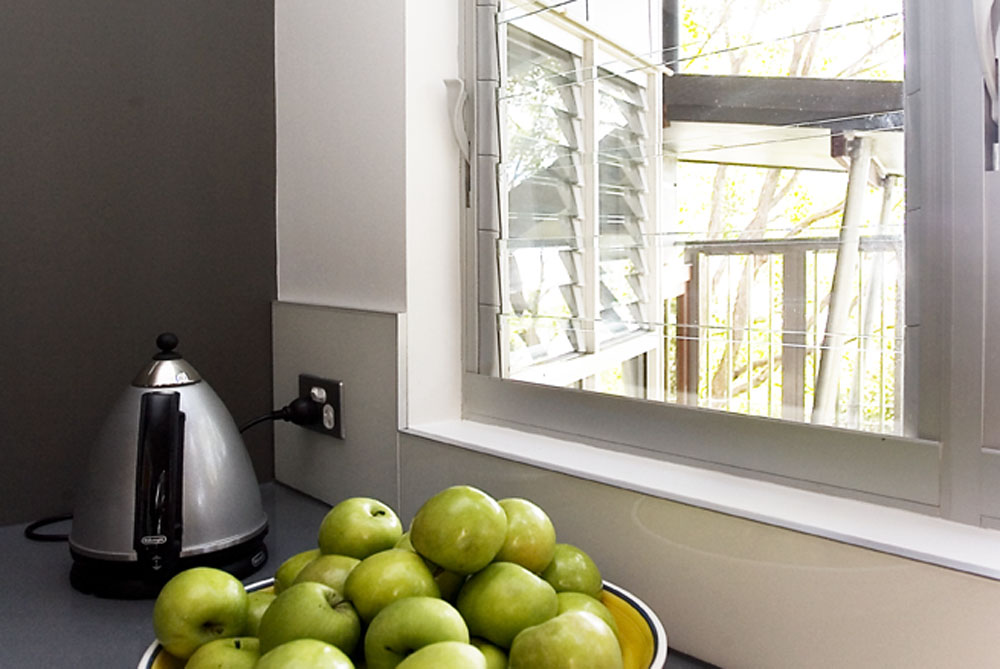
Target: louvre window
(573,244)
(724,222)
(773,284)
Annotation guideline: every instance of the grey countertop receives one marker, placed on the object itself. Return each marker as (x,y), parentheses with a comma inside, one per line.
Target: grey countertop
(44,622)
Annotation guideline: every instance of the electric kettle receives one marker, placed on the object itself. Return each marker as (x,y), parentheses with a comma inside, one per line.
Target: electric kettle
(169,486)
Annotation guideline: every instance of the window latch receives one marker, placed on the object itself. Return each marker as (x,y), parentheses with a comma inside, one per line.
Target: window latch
(458,94)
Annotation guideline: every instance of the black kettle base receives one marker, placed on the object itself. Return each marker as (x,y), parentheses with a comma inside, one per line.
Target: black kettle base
(114,579)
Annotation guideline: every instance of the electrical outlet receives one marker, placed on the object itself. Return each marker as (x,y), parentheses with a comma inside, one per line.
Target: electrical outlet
(330,395)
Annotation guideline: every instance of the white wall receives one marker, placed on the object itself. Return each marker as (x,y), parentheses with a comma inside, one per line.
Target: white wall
(433,215)
(368,174)
(340,95)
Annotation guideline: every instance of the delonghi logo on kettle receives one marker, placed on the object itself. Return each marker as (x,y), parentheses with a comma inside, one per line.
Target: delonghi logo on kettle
(153,540)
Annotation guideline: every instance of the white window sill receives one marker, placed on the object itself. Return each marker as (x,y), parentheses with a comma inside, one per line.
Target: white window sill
(904,533)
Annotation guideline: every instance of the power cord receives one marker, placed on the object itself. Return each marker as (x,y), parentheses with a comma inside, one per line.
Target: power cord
(301,411)
(31,531)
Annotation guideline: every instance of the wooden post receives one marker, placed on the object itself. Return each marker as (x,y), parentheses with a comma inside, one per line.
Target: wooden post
(688,335)
(793,335)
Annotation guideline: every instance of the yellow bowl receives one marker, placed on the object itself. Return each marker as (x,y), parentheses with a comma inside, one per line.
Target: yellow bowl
(643,639)
(644,642)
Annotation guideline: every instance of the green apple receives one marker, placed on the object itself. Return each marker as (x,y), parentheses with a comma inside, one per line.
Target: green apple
(290,568)
(448,582)
(409,624)
(577,601)
(496,658)
(384,577)
(404,542)
(445,655)
(572,640)
(331,570)
(305,653)
(531,537)
(196,606)
(257,601)
(310,610)
(572,570)
(241,652)
(460,528)
(503,599)
(358,527)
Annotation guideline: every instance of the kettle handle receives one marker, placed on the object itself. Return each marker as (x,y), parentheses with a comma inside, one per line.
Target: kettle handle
(159,482)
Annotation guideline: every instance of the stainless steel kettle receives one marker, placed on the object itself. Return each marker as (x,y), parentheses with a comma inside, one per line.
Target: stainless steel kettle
(169,486)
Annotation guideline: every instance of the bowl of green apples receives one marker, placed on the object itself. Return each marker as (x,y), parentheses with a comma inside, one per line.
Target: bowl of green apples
(474,583)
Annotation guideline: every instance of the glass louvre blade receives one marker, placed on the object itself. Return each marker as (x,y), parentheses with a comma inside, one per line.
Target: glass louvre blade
(543,195)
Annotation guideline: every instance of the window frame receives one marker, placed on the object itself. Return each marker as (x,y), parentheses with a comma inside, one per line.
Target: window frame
(938,471)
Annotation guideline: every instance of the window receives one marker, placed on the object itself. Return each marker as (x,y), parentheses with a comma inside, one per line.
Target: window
(574,248)
(729,235)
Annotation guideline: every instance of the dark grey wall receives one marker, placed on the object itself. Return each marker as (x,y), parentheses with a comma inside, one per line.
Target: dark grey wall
(136,196)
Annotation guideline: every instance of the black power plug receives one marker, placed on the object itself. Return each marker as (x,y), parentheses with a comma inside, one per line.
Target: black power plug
(301,411)
(318,407)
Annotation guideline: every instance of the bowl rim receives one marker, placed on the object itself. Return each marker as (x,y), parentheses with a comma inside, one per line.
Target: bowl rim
(659,634)
(152,650)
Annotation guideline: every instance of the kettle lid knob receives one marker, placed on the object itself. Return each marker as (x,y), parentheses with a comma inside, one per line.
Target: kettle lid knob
(168,368)
(167,342)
